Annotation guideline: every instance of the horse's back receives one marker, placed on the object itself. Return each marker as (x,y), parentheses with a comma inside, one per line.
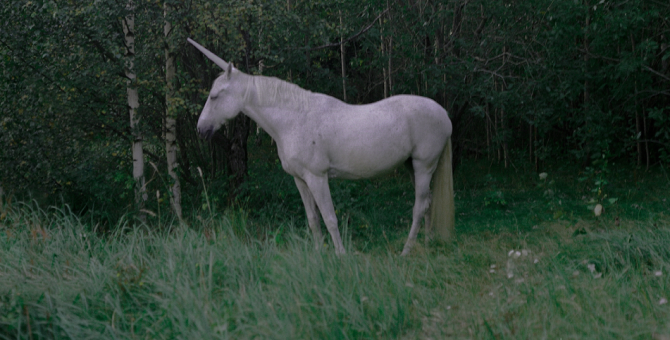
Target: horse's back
(366,140)
(428,123)
(420,109)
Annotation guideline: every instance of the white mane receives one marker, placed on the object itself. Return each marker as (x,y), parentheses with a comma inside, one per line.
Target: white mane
(271,91)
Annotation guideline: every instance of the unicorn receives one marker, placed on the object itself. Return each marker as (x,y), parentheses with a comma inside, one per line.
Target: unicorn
(319,137)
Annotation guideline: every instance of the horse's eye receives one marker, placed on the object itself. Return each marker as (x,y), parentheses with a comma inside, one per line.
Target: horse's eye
(216,95)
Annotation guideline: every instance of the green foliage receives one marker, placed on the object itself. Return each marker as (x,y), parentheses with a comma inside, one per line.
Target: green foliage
(662,124)
(494,196)
(558,80)
(60,108)
(598,176)
(551,195)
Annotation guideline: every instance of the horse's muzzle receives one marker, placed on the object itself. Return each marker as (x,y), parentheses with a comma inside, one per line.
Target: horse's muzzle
(206,133)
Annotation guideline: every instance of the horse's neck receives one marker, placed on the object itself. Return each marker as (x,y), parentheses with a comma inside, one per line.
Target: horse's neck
(276,118)
(276,121)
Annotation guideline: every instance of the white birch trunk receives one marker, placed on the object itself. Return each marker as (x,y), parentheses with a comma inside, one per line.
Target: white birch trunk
(390,51)
(382,49)
(133,103)
(344,70)
(171,121)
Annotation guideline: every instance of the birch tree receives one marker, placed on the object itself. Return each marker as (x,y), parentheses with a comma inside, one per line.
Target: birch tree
(171,118)
(133,103)
(343,62)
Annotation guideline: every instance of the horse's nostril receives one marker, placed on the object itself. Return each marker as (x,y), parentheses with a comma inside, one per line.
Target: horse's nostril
(206,133)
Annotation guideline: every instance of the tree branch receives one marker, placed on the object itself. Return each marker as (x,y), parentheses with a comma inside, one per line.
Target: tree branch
(656,72)
(352,37)
(619,60)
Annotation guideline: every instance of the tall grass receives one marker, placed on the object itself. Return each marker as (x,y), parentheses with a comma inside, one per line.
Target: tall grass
(59,278)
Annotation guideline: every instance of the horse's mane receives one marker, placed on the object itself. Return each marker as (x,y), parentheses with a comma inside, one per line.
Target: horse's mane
(271,91)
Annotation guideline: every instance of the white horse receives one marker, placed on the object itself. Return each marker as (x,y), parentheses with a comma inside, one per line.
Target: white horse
(320,137)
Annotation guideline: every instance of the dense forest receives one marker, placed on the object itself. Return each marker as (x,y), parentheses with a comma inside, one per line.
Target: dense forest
(99,99)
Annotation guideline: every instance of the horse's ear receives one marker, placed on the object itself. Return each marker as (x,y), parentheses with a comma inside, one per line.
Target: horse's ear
(229,71)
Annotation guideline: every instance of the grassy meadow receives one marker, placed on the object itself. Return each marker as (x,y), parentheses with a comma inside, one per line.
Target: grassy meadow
(530,261)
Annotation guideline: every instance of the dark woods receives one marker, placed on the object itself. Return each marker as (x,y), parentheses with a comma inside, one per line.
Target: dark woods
(524,82)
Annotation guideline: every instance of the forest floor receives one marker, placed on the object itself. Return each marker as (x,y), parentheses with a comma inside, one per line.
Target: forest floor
(530,260)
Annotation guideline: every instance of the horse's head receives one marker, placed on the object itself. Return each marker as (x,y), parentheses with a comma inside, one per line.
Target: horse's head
(225,101)
(226,98)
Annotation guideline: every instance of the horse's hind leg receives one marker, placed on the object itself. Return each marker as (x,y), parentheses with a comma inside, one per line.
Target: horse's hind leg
(426,218)
(311,211)
(421,203)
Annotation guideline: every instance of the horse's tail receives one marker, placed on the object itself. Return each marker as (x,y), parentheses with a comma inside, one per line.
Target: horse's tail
(442,213)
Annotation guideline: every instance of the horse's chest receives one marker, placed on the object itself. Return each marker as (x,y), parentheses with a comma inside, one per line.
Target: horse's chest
(300,156)
(287,167)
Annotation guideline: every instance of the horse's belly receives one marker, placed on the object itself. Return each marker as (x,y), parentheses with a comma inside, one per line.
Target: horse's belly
(366,162)
(348,174)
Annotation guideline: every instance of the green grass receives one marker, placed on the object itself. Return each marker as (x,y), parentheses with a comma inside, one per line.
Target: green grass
(581,277)
(251,272)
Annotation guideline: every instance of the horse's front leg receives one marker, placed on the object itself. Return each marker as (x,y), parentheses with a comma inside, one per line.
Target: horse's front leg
(318,186)
(311,211)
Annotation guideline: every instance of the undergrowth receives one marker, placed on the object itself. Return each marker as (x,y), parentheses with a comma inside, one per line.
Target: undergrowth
(59,278)
(535,263)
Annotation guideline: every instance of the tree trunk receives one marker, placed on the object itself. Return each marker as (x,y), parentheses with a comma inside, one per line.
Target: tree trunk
(586,54)
(171,120)
(141,196)
(237,132)
(344,70)
(386,92)
(664,62)
(456,109)
(503,125)
(390,72)
(537,161)
(456,27)
(646,139)
(489,134)
(237,156)
(638,134)
(496,131)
